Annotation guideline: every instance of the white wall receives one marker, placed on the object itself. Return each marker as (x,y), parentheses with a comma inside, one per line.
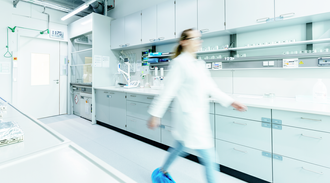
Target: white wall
(126,7)
(30,16)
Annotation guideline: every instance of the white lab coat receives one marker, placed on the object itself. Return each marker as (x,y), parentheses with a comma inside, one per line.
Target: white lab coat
(189,83)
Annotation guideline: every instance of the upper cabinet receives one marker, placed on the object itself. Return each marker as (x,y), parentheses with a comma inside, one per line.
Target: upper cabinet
(186,15)
(133,29)
(211,15)
(166,20)
(117,34)
(149,24)
(243,13)
(288,9)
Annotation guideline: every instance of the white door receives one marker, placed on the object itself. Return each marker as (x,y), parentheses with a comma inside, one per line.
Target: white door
(38,77)
(186,15)
(117,33)
(149,22)
(211,15)
(133,29)
(243,13)
(296,8)
(166,20)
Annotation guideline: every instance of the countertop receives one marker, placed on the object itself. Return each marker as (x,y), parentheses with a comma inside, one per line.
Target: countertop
(277,103)
(44,151)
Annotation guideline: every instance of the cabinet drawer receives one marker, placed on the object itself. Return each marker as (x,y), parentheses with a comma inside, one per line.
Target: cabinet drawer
(252,113)
(140,98)
(290,170)
(245,132)
(139,127)
(244,159)
(305,145)
(302,120)
(137,110)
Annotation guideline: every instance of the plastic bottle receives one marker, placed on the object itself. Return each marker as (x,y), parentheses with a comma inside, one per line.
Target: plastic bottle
(320,92)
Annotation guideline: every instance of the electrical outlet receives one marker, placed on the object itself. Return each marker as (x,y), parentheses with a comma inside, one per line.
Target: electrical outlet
(271,63)
(265,63)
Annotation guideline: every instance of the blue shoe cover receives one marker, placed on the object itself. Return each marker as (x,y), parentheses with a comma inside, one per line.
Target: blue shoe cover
(159,177)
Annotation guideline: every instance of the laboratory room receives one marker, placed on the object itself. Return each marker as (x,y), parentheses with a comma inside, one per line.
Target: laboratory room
(165,91)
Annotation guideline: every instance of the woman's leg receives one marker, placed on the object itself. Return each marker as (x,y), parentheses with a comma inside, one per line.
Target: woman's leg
(207,157)
(175,152)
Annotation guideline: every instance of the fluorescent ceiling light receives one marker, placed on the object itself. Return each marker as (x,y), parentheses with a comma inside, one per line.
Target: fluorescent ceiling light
(48,5)
(77,10)
(86,22)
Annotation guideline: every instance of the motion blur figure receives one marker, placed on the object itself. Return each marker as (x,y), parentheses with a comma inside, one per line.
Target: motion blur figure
(189,85)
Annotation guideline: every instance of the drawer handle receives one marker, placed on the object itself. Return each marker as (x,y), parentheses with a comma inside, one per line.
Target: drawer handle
(133,104)
(112,93)
(106,92)
(239,150)
(262,19)
(311,137)
(287,15)
(311,119)
(161,38)
(239,123)
(150,97)
(133,95)
(321,173)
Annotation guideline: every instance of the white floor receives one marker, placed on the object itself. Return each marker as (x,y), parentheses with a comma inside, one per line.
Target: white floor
(132,157)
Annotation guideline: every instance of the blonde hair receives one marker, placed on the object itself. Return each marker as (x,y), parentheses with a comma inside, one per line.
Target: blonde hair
(179,48)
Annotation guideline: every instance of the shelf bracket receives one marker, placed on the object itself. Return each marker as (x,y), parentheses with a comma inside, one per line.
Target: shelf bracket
(15,2)
(233,44)
(309,35)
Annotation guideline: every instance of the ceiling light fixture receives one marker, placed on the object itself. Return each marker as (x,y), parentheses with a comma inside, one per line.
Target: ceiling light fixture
(77,10)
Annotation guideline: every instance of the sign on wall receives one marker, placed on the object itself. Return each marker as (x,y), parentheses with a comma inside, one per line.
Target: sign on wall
(56,34)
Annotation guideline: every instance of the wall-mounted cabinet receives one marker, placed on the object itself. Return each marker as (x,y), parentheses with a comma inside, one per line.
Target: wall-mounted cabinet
(242,13)
(186,15)
(211,15)
(149,25)
(133,25)
(166,20)
(289,9)
(117,33)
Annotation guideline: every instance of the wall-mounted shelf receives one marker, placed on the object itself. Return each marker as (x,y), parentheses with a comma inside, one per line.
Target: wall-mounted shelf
(82,51)
(160,64)
(269,68)
(272,57)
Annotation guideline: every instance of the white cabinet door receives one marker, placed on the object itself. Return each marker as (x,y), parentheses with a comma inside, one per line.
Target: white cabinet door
(133,29)
(102,106)
(166,20)
(243,13)
(117,109)
(186,15)
(149,23)
(296,8)
(211,15)
(117,33)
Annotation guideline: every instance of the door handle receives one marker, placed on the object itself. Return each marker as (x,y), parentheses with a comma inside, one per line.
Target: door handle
(204,30)
(56,80)
(311,119)
(287,15)
(262,19)
(321,173)
(161,38)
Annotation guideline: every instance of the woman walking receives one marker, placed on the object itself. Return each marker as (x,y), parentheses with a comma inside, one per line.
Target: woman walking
(190,85)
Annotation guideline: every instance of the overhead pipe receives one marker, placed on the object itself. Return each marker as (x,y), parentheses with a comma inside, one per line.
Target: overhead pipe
(97,6)
(48,18)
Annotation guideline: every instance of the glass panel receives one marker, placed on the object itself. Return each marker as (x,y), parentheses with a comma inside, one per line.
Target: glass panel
(40,71)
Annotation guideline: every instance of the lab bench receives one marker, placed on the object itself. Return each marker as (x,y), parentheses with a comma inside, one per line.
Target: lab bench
(277,140)
(43,152)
